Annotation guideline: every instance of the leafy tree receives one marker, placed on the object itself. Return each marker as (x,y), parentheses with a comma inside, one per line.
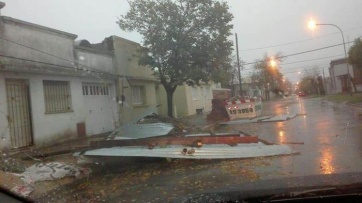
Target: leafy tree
(186,41)
(355,56)
(267,77)
(308,82)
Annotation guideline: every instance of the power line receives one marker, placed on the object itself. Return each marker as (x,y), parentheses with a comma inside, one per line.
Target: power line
(52,64)
(49,54)
(299,70)
(299,41)
(299,53)
(312,59)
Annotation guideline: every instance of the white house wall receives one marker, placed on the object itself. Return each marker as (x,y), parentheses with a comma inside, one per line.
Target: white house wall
(201,100)
(41,39)
(98,61)
(341,69)
(47,128)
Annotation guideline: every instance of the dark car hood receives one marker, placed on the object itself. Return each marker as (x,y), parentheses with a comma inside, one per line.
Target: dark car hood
(272,187)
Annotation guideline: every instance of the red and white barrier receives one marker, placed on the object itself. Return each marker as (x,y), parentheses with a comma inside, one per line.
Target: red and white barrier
(243,108)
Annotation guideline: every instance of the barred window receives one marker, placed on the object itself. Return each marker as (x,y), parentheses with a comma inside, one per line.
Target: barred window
(57,96)
(95,89)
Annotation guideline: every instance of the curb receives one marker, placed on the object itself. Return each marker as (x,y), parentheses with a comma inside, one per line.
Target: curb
(354,105)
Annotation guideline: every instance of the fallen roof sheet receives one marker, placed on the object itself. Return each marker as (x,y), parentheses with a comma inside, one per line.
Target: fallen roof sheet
(274,118)
(245,121)
(230,139)
(136,131)
(212,151)
(280,118)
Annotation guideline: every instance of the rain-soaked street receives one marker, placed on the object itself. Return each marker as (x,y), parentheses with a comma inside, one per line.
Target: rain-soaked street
(327,136)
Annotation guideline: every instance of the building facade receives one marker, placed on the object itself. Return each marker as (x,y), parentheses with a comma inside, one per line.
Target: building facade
(339,77)
(136,85)
(46,93)
(188,100)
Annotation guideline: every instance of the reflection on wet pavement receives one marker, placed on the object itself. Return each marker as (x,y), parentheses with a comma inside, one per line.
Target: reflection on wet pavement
(328,136)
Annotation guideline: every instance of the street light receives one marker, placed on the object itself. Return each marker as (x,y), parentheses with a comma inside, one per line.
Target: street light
(272,62)
(313,25)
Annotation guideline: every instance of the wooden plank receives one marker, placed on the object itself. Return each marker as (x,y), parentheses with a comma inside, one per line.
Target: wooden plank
(187,141)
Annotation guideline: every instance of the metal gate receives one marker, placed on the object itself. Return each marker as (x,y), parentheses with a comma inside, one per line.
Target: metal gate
(19,119)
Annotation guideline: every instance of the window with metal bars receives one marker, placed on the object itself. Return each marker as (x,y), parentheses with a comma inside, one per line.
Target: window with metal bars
(57,96)
(95,90)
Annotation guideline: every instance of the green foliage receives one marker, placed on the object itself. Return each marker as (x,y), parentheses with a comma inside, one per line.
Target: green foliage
(355,54)
(186,41)
(265,74)
(308,82)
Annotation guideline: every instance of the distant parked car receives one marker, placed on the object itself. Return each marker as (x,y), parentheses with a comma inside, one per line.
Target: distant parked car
(286,94)
(302,94)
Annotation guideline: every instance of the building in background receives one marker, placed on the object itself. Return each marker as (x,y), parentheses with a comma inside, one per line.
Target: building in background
(136,85)
(248,88)
(188,100)
(339,76)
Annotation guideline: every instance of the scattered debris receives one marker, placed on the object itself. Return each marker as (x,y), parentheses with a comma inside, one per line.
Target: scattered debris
(245,121)
(293,143)
(149,124)
(280,118)
(50,171)
(135,131)
(23,190)
(207,151)
(271,118)
(188,140)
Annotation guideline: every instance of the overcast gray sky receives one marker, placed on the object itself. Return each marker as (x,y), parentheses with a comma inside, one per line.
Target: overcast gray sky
(260,24)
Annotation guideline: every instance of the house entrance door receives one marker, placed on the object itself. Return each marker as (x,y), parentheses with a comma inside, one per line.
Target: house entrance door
(19,115)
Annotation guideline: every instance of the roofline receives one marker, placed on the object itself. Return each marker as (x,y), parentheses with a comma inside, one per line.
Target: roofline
(338,61)
(40,27)
(92,50)
(126,40)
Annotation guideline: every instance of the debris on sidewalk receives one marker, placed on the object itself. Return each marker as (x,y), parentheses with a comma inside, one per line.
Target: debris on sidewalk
(23,190)
(149,124)
(50,171)
(193,146)
(272,118)
(207,151)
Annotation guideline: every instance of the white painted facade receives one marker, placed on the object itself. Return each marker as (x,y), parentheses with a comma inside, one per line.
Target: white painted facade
(338,75)
(98,112)
(188,100)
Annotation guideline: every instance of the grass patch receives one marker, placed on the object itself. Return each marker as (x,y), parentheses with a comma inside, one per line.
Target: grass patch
(356,98)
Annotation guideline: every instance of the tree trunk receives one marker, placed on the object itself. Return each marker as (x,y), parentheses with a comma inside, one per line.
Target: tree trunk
(169,93)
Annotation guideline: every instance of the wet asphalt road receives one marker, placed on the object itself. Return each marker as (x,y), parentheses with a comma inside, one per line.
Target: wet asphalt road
(332,144)
(331,133)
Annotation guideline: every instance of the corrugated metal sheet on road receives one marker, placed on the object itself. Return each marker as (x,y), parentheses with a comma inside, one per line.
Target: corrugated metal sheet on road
(214,151)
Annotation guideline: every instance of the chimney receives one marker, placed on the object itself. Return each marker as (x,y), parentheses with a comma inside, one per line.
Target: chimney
(2,5)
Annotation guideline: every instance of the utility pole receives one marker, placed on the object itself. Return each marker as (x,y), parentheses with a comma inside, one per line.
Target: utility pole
(324,84)
(237,58)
